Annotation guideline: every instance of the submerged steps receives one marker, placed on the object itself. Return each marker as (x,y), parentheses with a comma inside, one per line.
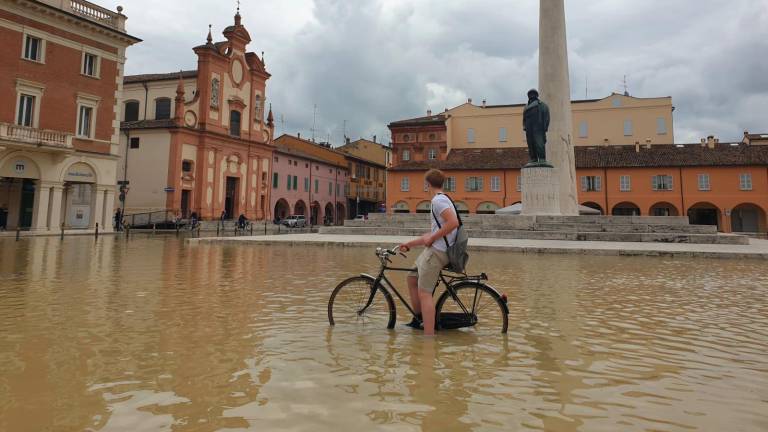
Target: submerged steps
(657,229)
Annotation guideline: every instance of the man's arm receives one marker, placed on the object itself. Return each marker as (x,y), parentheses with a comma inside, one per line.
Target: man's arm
(451,223)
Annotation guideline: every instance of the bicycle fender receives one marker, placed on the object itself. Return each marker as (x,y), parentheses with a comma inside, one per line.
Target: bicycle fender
(506,308)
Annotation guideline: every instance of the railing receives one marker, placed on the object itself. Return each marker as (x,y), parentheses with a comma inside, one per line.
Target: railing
(96,13)
(36,136)
(149,218)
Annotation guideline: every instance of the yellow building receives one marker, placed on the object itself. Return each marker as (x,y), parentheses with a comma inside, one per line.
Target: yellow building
(370,150)
(367,162)
(614,120)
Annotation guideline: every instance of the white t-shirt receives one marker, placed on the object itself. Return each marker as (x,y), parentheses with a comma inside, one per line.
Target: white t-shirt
(440,202)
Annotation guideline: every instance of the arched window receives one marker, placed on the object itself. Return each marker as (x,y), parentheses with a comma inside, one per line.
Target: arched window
(132,111)
(257,108)
(234,123)
(162,108)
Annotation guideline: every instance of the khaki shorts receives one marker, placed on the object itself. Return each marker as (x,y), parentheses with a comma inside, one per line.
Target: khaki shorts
(428,267)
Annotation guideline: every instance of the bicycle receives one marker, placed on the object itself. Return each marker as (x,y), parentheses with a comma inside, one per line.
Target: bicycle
(354,301)
(242,228)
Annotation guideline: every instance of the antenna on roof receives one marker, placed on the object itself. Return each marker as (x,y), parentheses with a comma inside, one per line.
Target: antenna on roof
(586,86)
(626,87)
(314,122)
(344,132)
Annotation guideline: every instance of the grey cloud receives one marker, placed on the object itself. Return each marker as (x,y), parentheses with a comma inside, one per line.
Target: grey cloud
(373,61)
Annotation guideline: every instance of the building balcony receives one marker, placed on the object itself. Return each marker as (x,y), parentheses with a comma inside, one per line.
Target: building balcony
(15,136)
(92,12)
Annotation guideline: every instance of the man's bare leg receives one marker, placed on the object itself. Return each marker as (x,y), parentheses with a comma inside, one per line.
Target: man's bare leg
(427,312)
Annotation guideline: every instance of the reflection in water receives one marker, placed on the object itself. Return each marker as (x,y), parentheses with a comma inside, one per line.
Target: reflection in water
(152,334)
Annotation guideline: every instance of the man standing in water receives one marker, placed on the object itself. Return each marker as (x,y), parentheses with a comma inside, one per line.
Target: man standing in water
(422,282)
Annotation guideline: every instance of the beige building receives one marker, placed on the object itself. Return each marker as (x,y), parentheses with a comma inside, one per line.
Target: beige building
(614,120)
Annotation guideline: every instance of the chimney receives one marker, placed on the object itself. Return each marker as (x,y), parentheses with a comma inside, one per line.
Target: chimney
(347,140)
(483,103)
(711,141)
(746,137)
(374,138)
(429,113)
(469,101)
(298,135)
(637,146)
(703,142)
(648,143)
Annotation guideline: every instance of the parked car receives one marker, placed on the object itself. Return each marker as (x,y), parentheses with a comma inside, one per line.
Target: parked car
(296,221)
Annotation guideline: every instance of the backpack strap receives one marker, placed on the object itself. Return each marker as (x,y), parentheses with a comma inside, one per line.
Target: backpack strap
(447,245)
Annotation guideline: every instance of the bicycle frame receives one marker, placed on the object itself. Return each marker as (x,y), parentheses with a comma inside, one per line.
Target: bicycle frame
(448,281)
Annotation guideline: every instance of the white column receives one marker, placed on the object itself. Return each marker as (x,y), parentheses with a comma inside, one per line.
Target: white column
(555,91)
(97,208)
(40,209)
(109,210)
(54,218)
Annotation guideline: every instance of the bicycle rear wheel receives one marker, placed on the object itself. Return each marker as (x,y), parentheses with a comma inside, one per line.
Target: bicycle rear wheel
(480,308)
(355,303)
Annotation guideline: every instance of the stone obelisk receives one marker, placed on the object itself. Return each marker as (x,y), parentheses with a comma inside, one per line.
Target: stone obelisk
(555,90)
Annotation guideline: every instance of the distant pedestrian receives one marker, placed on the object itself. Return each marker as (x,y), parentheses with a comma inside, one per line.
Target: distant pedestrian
(118,220)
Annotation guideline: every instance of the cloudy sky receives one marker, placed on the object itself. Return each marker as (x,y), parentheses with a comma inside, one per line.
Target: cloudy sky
(370,62)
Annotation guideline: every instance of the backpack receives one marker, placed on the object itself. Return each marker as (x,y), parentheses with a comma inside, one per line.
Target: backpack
(457,253)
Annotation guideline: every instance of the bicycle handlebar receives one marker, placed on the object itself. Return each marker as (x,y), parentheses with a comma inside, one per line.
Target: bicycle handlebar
(385,253)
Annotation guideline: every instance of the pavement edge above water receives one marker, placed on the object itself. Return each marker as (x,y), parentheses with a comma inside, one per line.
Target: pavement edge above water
(756,249)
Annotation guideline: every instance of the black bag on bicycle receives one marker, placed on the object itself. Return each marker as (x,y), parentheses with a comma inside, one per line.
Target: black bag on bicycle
(457,252)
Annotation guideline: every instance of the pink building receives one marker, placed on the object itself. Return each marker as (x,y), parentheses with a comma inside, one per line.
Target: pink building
(308,179)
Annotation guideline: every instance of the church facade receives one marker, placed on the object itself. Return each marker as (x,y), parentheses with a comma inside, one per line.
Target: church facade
(200,141)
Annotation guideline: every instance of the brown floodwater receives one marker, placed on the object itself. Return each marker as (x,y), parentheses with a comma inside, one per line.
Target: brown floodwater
(152,334)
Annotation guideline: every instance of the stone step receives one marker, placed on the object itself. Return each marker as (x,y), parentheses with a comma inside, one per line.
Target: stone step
(668,237)
(493,219)
(527,225)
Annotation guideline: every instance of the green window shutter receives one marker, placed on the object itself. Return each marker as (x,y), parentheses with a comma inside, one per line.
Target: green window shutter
(480,184)
(468,184)
(289,182)
(295,182)
(306,184)
(317,186)
(598,183)
(274,180)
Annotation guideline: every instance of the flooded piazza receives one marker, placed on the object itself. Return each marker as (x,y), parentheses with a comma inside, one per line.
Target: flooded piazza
(151,333)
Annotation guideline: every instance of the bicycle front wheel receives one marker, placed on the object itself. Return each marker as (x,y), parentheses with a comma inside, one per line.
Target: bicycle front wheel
(357,303)
(475,308)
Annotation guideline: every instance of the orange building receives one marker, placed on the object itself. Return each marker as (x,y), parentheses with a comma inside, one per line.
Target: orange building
(61,65)
(200,141)
(723,184)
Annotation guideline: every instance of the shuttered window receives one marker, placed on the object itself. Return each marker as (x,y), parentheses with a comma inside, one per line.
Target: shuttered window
(495,184)
(625,183)
(591,183)
(473,184)
(405,184)
(704,182)
(661,182)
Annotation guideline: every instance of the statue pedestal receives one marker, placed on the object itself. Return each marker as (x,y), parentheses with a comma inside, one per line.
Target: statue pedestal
(541,191)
